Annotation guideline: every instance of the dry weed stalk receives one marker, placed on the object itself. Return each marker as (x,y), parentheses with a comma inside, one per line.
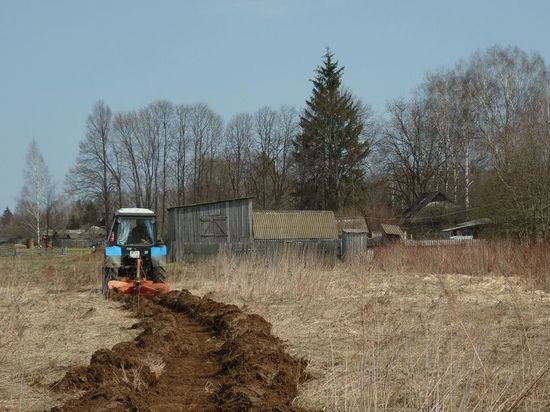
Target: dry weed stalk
(156,364)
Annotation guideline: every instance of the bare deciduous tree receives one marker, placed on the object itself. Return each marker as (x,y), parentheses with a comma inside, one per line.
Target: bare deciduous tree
(91,178)
(286,130)
(411,150)
(35,189)
(179,156)
(206,129)
(237,149)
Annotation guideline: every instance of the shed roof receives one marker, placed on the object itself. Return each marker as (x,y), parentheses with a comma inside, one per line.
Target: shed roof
(391,229)
(294,225)
(472,223)
(134,211)
(213,202)
(423,200)
(356,223)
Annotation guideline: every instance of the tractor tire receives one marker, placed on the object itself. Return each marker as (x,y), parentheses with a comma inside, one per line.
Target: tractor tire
(159,275)
(108,274)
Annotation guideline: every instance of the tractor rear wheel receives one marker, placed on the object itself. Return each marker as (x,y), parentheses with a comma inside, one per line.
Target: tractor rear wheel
(159,275)
(108,274)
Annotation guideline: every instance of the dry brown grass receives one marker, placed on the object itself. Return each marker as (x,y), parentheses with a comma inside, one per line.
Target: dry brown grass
(530,262)
(52,317)
(414,329)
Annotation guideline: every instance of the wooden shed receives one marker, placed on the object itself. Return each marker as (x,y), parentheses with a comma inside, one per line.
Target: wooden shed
(231,225)
(208,228)
(354,243)
(391,233)
(351,223)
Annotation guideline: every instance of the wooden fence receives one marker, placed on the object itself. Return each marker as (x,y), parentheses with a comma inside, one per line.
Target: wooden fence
(441,242)
(10,251)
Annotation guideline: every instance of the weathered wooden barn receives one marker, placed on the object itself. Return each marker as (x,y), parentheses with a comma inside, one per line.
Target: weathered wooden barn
(209,228)
(232,225)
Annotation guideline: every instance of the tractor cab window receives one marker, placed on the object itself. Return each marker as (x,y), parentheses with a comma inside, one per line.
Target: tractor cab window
(132,231)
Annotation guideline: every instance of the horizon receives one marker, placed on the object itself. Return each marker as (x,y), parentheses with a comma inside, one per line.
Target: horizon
(63,57)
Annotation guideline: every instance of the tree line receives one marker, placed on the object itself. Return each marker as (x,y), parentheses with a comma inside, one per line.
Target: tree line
(478,132)
(167,154)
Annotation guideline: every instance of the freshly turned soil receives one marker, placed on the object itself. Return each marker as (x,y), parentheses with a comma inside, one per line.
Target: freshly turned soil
(215,358)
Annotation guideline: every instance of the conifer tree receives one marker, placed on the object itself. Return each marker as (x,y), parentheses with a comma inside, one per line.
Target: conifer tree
(331,148)
(6,217)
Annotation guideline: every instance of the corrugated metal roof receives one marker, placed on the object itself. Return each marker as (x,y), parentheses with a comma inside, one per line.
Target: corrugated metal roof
(391,229)
(298,224)
(358,223)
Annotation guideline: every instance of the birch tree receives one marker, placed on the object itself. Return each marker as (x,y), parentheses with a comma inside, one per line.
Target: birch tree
(36,184)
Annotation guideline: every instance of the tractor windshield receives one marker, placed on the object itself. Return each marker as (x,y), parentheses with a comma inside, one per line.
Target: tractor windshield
(136,231)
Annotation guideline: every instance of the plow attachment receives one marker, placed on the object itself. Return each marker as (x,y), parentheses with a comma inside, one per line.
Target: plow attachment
(145,288)
(138,286)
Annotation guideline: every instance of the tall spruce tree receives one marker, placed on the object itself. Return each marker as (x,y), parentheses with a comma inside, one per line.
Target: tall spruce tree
(331,148)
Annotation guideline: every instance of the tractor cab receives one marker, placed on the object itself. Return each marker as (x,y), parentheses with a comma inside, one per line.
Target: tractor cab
(134,259)
(133,229)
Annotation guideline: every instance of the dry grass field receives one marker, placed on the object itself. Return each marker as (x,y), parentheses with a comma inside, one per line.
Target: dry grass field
(461,328)
(407,331)
(52,318)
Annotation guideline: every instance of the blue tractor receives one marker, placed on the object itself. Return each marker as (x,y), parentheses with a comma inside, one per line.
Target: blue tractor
(135,259)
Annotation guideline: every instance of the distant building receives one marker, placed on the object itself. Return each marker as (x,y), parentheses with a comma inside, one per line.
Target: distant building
(468,230)
(306,232)
(209,228)
(391,233)
(351,223)
(430,213)
(294,225)
(232,225)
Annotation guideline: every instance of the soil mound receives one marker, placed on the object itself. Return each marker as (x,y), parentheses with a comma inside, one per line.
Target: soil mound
(193,354)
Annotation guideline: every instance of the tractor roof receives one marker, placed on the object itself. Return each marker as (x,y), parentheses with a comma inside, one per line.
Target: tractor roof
(134,211)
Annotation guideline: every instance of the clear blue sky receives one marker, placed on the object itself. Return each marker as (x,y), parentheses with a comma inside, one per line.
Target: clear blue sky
(59,57)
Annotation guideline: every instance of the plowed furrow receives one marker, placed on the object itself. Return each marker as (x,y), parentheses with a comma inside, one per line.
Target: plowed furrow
(193,354)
